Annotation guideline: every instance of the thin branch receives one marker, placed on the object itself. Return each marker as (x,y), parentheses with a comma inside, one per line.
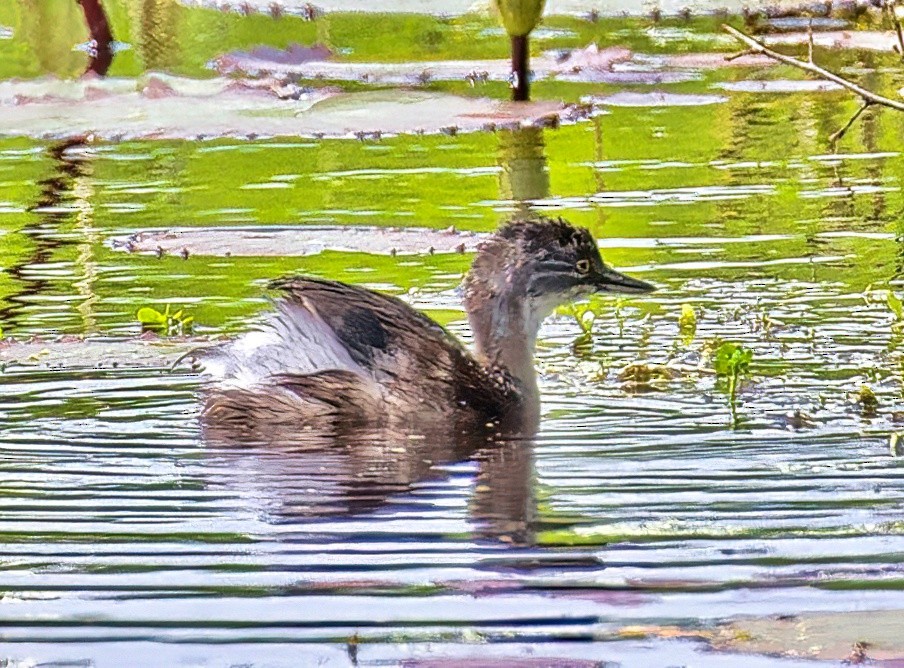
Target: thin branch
(810,41)
(759,47)
(835,136)
(740,54)
(891,8)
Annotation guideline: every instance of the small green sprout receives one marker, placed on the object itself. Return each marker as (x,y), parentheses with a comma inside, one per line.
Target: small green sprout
(166,323)
(688,319)
(583,315)
(687,323)
(732,361)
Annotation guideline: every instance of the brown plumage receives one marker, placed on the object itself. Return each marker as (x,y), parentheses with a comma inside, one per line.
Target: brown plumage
(341,354)
(409,366)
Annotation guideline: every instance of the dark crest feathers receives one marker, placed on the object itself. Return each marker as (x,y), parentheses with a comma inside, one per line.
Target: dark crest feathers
(541,233)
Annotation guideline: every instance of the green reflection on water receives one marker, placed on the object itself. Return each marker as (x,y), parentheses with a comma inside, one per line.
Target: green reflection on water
(165,35)
(751,166)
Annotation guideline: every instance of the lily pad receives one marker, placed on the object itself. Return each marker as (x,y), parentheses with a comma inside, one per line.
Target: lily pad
(74,352)
(867,40)
(299,241)
(658,99)
(779,86)
(173,108)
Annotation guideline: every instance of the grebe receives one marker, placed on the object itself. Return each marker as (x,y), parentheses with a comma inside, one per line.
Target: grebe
(333,353)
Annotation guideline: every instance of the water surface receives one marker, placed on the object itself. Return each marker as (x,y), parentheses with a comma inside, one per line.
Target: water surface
(124,533)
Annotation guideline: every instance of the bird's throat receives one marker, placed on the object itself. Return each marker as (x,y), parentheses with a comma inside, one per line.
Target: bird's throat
(505,336)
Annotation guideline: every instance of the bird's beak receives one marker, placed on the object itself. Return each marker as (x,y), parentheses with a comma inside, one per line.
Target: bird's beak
(609,280)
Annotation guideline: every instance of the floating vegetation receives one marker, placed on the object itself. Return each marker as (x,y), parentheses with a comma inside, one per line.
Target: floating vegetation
(165,323)
(868,401)
(644,376)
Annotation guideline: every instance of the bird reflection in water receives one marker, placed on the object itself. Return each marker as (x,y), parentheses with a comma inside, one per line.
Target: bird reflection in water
(307,474)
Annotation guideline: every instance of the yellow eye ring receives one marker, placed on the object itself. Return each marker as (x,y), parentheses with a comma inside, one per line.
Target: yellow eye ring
(582,266)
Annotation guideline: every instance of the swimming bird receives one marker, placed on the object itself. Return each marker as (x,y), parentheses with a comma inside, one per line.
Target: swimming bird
(337,353)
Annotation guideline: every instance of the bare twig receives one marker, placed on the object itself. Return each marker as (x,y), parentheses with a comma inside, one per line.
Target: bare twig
(838,134)
(890,8)
(740,54)
(812,68)
(810,41)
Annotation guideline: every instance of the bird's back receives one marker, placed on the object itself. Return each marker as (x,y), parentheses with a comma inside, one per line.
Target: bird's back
(332,350)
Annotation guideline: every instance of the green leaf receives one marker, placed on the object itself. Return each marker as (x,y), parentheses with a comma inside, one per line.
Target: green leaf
(722,359)
(151,317)
(732,359)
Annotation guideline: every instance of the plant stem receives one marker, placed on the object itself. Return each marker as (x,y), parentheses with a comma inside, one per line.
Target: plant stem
(732,398)
(101,35)
(520,69)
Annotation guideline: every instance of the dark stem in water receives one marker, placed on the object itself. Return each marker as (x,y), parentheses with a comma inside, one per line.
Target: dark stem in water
(101,36)
(520,69)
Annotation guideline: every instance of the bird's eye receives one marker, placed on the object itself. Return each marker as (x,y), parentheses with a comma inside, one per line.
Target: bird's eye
(582,266)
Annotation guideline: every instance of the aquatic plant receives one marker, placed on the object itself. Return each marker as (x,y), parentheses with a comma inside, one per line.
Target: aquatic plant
(165,323)
(584,315)
(520,17)
(687,323)
(732,361)
(644,376)
(868,401)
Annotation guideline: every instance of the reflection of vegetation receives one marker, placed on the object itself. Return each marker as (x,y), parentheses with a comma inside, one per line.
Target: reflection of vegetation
(58,205)
(157,32)
(524,176)
(50,29)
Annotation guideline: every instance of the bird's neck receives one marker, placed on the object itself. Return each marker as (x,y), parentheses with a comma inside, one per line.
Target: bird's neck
(505,335)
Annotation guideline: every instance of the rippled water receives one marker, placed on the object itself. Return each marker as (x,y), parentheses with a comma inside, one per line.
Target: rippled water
(124,534)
